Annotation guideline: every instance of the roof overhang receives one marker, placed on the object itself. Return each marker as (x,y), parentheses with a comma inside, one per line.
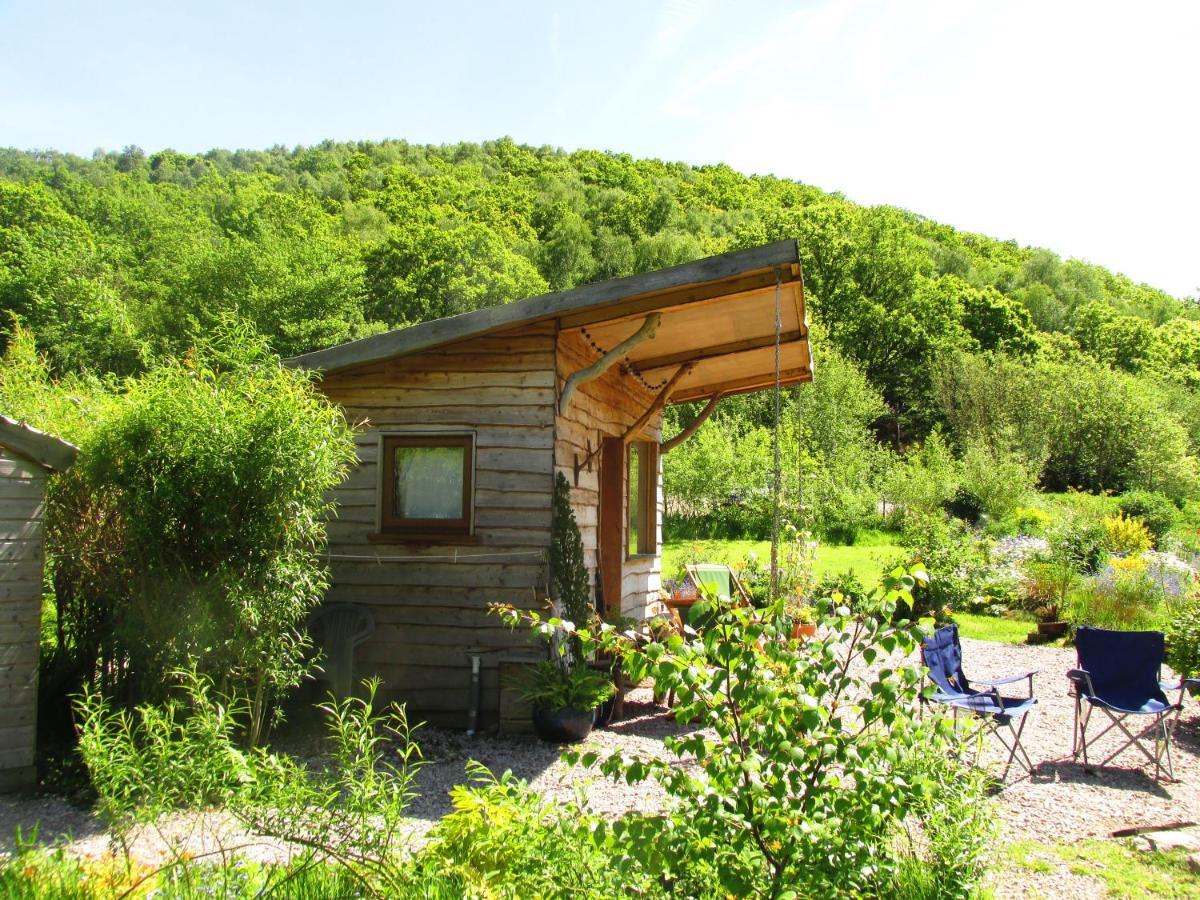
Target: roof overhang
(36,446)
(720,317)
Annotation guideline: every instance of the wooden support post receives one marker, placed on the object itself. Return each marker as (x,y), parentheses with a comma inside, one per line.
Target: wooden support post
(659,402)
(604,363)
(693,426)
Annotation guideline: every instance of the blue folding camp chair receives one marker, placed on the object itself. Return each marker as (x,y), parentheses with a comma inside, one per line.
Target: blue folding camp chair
(942,655)
(1119,674)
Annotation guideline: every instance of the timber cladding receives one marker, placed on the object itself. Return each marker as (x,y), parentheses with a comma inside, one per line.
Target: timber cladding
(22,501)
(430,600)
(605,408)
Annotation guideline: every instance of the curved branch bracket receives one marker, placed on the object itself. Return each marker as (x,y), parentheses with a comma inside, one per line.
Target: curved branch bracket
(604,363)
(693,426)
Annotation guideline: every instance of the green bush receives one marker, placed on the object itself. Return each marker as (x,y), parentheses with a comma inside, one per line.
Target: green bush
(1027,520)
(502,839)
(184,755)
(1156,511)
(925,480)
(769,714)
(192,526)
(953,555)
(998,480)
(36,873)
(1078,541)
(1183,640)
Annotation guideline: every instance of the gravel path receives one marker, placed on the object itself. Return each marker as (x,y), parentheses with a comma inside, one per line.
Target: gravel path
(1058,803)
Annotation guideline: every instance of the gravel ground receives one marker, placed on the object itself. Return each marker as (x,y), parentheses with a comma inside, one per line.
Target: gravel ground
(1057,803)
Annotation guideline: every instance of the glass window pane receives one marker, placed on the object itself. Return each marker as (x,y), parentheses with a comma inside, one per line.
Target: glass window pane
(634,494)
(429,482)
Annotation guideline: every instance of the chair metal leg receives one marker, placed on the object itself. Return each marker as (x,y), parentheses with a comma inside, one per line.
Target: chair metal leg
(1162,742)
(1075,731)
(1084,716)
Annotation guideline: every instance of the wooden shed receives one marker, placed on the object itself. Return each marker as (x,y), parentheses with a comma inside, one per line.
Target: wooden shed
(27,458)
(467,420)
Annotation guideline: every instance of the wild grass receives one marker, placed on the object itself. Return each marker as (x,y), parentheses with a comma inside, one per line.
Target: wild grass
(1123,870)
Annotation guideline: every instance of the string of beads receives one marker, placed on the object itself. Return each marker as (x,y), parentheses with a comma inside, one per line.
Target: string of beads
(627,367)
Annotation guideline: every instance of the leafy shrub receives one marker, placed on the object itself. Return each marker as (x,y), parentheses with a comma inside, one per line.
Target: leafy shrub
(1126,535)
(997,480)
(1078,541)
(1156,511)
(1183,640)
(925,480)
(772,714)
(180,755)
(844,583)
(203,501)
(1029,520)
(35,873)
(184,755)
(947,856)
(953,556)
(502,839)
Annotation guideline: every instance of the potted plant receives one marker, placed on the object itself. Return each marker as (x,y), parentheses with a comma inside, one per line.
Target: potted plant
(610,665)
(1050,581)
(804,621)
(564,699)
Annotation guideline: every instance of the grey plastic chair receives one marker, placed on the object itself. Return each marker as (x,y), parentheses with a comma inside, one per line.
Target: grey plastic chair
(337,629)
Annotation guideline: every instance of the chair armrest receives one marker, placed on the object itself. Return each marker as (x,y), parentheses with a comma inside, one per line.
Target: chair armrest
(1082,681)
(999,681)
(995,683)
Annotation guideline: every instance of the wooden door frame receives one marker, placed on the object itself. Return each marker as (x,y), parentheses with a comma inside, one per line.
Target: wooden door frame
(610,549)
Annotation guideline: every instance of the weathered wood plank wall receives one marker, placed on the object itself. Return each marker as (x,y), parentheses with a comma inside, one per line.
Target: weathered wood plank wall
(22,501)
(605,407)
(432,607)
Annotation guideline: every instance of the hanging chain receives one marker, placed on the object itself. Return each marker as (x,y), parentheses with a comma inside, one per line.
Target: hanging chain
(627,367)
(775,442)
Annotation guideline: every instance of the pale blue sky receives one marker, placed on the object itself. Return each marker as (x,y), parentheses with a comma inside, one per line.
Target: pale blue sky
(1062,123)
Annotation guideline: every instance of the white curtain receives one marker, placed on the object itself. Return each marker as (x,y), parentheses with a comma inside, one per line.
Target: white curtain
(429,482)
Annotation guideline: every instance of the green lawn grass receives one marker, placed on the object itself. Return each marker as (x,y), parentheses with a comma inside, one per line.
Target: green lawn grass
(993,628)
(867,557)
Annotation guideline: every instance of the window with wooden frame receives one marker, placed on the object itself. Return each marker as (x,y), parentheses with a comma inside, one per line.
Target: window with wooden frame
(641,491)
(427,485)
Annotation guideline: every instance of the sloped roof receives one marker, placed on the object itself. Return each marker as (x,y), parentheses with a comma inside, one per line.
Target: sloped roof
(44,449)
(718,317)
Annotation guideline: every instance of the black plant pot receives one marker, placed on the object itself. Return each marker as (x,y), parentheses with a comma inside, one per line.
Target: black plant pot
(563,726)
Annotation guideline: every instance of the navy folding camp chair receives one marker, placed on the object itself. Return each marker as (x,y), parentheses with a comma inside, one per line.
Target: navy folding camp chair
(942,655)
(1119,673)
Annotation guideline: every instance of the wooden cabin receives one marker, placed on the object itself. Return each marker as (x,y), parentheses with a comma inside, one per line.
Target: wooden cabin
(467,419)
(27,458)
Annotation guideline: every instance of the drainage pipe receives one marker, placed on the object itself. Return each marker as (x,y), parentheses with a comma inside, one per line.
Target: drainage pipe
(474,698)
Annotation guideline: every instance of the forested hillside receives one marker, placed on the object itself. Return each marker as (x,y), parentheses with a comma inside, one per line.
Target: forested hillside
(1076,374)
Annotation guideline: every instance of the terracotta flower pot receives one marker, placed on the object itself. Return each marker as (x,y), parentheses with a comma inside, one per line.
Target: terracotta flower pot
(804,630)
(563,726)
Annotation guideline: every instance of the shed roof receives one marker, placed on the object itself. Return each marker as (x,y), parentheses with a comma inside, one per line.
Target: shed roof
(718,317)
(44,449)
